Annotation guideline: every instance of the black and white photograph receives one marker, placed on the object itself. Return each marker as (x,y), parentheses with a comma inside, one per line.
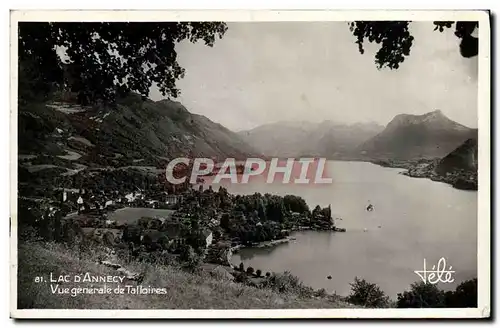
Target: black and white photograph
(294,164)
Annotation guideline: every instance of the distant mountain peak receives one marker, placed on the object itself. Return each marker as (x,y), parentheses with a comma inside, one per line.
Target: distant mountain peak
(436,115)
(436,112)
(434,120)
(410,136)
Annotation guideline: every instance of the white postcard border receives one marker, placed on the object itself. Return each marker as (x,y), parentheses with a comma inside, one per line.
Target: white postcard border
(484,171)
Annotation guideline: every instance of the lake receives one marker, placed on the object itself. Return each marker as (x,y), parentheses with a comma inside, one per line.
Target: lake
(418,218)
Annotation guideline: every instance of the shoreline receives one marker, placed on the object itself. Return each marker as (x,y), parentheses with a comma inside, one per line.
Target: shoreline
(271,243)
(263,244)
(416,169)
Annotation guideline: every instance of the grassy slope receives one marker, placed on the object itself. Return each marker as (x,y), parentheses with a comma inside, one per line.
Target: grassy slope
(185,291)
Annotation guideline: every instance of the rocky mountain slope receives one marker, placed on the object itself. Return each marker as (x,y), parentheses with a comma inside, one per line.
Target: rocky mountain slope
(463,158)
(458,168)
(136,131)
(409,137)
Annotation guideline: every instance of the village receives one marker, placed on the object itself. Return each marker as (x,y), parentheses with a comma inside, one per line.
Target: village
(188,224)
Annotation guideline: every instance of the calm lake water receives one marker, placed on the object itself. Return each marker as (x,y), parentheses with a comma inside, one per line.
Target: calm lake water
(418,218)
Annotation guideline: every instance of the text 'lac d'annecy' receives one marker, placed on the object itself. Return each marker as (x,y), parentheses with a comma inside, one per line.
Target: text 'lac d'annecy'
(110,285)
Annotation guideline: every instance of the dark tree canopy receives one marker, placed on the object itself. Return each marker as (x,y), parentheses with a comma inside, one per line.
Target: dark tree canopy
(106,59)
(396,41)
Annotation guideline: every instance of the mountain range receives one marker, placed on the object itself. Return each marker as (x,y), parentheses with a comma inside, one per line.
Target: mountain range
(134,131)
(304,139)
(148,132)
(406,137)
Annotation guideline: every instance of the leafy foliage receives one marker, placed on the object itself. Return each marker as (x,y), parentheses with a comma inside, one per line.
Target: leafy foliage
(464,296)
(197,241)
(286,283)
(108,238)
(132,234)
(422,295)
(396,41)
(295,204)
(189,258)
(224,221)
(163,242)
(255,218)
(106,59)
(367,294)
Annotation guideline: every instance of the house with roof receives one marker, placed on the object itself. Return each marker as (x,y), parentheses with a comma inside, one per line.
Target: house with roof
(152,203)
(129,197)
(172,199)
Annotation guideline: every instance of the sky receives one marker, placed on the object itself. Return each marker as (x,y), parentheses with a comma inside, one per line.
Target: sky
(266,72)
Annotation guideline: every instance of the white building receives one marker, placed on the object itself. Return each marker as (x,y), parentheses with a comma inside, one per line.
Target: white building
(130,197)
(209,237)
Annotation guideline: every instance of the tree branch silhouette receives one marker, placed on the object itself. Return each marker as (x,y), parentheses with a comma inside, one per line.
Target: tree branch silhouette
(396,40)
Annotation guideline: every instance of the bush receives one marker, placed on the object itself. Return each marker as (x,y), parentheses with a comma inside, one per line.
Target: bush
(421,295)
(224,222)
(258,272)
(250,270)
(268,274)
(367,294)
(151,258)
(163,242)
(132,234)
(28,233)
(286,283)
(188,258)
(320,292)
(196,239)
(464,296)
(242,267)
(240,277)
(295,204)
(108,238)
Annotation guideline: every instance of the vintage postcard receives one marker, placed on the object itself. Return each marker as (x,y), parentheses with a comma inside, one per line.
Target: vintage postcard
(250,164)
